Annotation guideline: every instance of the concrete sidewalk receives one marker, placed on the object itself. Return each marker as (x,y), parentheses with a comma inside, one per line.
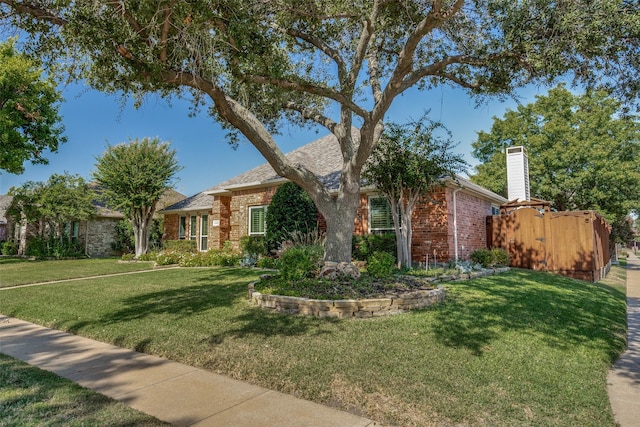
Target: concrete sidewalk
(623,380)
(170,391)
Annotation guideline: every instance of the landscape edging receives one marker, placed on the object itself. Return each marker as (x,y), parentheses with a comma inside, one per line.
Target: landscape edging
(363,308)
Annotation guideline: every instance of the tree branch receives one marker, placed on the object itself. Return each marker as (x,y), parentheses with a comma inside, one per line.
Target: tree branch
(36,12)
(312,115)
(166,25)
(321,46)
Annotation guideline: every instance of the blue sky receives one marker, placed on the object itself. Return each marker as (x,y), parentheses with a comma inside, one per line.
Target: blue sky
(92,120)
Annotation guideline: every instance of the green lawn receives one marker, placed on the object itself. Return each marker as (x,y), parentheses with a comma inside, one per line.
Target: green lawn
(519,348)
(22,271)
(32,397)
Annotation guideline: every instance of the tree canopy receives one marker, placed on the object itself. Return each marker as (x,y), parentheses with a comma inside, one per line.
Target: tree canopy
(583,153)
(332,63)
(408,162)
(133,177)
(29,120)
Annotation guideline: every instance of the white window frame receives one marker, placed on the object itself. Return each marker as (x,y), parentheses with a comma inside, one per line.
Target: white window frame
(193,227)
(204,232)
(182,227)
(250,222)
(378,229)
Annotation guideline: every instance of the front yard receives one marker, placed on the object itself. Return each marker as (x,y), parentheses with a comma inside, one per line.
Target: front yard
(519,348)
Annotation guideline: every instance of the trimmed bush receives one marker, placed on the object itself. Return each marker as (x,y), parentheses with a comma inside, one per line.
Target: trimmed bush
(291,210)
(490,257)
(365,245)
(52,247)
(381,264)
(181,245)
(268,262)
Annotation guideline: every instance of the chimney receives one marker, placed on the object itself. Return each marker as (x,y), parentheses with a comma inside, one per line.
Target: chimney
(518,174)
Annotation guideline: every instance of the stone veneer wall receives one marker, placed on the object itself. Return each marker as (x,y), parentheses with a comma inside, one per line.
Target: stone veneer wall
(99,233)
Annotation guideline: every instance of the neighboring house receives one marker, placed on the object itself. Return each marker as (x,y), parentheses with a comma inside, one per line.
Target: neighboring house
(95,235)
(450,223)
(5,202)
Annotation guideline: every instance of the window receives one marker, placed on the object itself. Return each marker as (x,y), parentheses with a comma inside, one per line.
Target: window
(71,230)
(204,232)
(193,227)
(495,210)
(380,218)
(182,225)
(257,220)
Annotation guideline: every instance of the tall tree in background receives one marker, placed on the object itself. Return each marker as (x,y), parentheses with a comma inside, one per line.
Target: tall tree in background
(583,153)
(133,177)
(409,161)
(29,120)
(333,64)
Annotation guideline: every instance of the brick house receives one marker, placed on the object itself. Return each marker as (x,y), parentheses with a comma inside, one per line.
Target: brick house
(450,223)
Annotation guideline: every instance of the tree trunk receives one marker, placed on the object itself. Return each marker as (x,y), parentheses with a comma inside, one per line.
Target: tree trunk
(140,224)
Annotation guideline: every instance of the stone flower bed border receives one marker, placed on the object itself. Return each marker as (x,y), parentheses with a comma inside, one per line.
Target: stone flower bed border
(393,303)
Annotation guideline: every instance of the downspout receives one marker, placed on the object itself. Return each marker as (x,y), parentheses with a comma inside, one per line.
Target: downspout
(455,223)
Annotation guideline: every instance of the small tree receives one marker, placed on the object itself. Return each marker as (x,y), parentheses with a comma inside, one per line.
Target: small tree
(291,210)
(51,205)
(134,176)
(407,164)
(29,119)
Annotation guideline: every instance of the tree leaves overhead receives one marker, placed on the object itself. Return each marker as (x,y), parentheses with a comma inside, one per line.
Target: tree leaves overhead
(29,120)
(583,154)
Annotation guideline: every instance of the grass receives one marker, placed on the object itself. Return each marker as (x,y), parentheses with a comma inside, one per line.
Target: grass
(23,271)
(32,397)
(518,348)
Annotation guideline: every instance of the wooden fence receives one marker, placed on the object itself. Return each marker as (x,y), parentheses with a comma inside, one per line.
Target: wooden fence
(574,244)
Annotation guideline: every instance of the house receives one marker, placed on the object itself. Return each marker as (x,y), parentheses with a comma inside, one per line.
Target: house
(94,235)
(5,202)
(449,224)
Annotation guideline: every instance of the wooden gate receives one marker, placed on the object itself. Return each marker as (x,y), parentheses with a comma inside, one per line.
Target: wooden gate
(574,244)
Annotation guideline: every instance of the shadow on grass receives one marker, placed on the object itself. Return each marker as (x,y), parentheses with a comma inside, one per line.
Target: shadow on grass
(218,288)
(255,321)
(564,312)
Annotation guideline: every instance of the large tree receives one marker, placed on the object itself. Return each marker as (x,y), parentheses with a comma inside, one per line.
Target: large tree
(133,177)
(409,161)
(29,120)
(332,63)
(583,152)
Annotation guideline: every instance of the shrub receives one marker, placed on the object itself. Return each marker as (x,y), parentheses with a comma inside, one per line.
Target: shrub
(128,257)
(252,245)
(482,257)
(500,257)
(299,262)
(381,264)
(9,248)
(52,247)
(490,258)
(365,245)
(180,245)
(169,257)
(267,262)
(291,210)
(149,256)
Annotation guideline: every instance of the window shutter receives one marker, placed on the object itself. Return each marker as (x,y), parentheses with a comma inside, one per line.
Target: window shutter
(380,214)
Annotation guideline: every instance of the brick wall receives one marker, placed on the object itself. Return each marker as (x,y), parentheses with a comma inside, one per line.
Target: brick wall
(239,211)
(221,212)
(471,218)
(431,228)
(171,222)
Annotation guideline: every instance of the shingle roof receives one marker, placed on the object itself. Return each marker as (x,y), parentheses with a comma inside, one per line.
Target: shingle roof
(322,157)
(199,201)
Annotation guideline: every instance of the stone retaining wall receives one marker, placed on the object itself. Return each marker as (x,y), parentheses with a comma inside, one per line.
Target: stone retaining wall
(373,307)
